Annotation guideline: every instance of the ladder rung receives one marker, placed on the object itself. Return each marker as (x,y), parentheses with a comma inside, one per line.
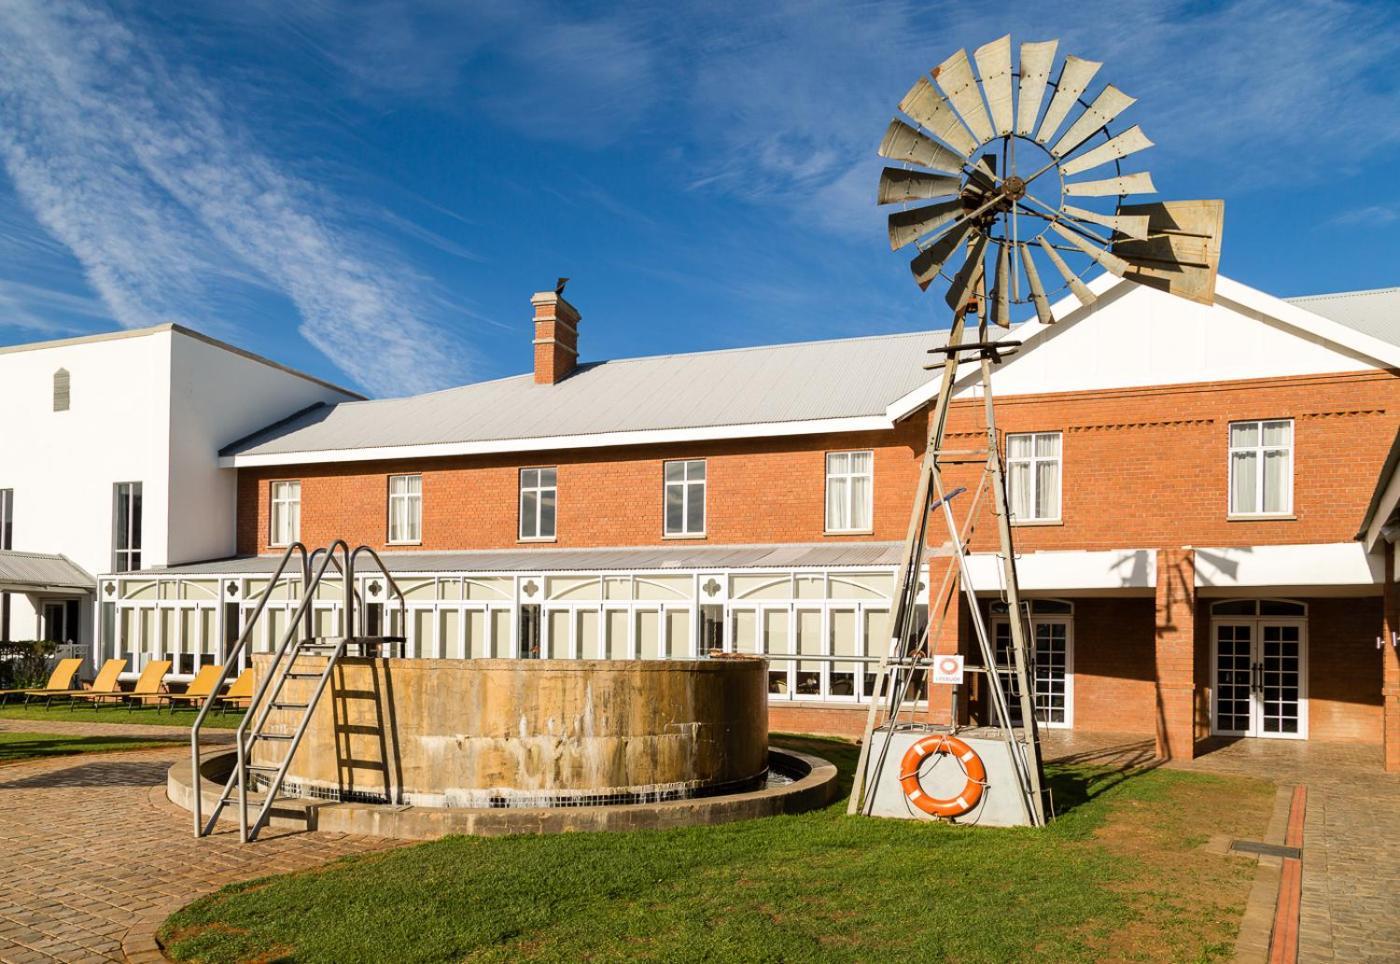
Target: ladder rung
(272,736)
(289,706)
(301,676)
(262,767)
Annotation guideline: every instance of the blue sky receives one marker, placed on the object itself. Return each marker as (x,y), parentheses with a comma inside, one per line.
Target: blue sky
(371,191)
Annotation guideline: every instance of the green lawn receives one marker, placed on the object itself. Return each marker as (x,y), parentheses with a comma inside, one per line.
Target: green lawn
(111,713)
(1122,873)
(28,746)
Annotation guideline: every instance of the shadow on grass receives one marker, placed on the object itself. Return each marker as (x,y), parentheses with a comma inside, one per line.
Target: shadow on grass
(33,746)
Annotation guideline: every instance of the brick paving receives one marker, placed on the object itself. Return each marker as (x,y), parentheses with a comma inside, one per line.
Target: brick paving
(92,853)
(91,850)
(1351,841)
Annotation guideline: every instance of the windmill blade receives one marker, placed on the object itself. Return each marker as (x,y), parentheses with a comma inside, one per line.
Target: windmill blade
(928,262)
(1074,77)
(1109,104)
(898,184)
(954,75)
(1001,305)
(935,115)
(994,67)
(969,276)
(908,226)
(902,143)
(1036,61)
(1129,225)
(1181,255)
(983,176)
(1080,289)
(1140,183)
(1042,303)
(1130,141)
(1106,259)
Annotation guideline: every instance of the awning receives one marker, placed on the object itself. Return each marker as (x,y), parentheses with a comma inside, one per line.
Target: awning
(38,572)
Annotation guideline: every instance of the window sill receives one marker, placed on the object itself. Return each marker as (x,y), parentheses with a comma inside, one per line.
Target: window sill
(849,532)
(684,535)
(1037,522)
(1263,517)
(403,545)
(539,539)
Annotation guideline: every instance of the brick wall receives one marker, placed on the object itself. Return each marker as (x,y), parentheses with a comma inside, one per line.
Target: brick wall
(1344,670)
(1143,467)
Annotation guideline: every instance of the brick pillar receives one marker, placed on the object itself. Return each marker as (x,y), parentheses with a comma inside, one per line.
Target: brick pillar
(945,638)
(1390,663)
(1176,653)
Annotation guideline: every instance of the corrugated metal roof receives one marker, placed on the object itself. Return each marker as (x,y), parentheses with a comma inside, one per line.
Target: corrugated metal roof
(1375,312)
(633,559)
(20,571)
(779,383)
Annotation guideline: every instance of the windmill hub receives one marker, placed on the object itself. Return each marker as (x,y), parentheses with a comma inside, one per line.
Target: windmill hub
(1013,188)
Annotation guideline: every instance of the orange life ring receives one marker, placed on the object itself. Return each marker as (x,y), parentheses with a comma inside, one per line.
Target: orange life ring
(967,758)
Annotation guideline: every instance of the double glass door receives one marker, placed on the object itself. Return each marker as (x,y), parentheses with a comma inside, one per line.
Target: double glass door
(1260,685)
(1053,677)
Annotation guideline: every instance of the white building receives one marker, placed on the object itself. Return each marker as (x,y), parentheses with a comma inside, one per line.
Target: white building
(109,462)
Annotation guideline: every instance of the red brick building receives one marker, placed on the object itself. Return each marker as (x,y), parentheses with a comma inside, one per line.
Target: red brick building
(1187,485)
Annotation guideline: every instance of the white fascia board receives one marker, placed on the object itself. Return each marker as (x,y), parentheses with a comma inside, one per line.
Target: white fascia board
(1320,565)
(1307,325)
(1390,498)
(1099,571)
(1027,333)
(820,426)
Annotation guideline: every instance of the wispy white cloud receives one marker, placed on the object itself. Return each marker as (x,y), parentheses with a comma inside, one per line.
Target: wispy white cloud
(138,167)
(1372,214)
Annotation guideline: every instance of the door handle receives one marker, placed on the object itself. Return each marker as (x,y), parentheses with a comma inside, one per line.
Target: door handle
(1257,674)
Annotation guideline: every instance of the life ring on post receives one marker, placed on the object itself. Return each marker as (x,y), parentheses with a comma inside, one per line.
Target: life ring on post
(967,758)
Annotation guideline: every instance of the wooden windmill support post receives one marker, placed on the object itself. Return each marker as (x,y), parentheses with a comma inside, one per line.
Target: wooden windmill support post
(902,641)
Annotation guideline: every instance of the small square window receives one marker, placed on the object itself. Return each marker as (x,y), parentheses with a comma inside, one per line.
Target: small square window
(1033,476)
(1261,468)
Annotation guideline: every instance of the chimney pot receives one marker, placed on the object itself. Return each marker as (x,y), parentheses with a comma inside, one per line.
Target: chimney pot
(556,337)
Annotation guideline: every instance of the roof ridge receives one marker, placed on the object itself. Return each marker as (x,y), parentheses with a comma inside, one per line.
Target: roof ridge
(1343,294)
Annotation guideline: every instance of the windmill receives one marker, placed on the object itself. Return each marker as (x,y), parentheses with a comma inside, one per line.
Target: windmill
(1002,172)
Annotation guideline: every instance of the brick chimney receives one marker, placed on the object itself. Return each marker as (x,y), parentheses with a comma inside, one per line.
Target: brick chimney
(556,337)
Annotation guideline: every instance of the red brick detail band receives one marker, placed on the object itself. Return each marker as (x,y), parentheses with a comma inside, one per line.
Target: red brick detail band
(1283,942)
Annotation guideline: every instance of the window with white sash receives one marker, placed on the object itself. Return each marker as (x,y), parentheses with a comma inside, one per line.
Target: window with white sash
(126,527)
(685,498)
(1033,476)
(1261,467)
(286,513)
(539,492)
(406,509)
(850,484)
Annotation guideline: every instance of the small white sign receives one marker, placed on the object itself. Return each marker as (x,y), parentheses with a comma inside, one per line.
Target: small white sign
(948,669)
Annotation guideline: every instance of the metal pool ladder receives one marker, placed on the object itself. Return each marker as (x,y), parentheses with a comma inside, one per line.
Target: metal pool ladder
(253,780)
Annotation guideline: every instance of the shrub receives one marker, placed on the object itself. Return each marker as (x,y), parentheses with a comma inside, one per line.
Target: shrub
(25,664)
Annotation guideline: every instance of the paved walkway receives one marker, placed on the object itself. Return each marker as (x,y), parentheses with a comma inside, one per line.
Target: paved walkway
(90,849)
(1351,842)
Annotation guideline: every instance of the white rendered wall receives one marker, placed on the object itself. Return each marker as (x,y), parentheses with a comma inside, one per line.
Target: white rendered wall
(62,465)
(218,397)
(1136,336)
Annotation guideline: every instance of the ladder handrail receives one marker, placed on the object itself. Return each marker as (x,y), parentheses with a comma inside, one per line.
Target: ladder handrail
(393,585)
(230,659)
(256,705)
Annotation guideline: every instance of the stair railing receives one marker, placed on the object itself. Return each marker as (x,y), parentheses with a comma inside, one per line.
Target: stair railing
(393,587)
(256,706)
(231,660)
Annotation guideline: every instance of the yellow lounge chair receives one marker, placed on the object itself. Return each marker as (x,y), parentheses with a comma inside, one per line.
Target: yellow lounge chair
(147,686)
(59,680)
(240,694)
(197,692)
(106,682)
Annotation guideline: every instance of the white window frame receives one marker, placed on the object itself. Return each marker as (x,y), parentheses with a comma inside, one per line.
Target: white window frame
(685,483)
(413,517)
(846,477)
(279,503)
(7,518)
(538,489)
(129,558)
(1259,449)
(1034,461)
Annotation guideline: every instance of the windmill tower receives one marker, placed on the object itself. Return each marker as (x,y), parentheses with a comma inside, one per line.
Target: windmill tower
(1004,173)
